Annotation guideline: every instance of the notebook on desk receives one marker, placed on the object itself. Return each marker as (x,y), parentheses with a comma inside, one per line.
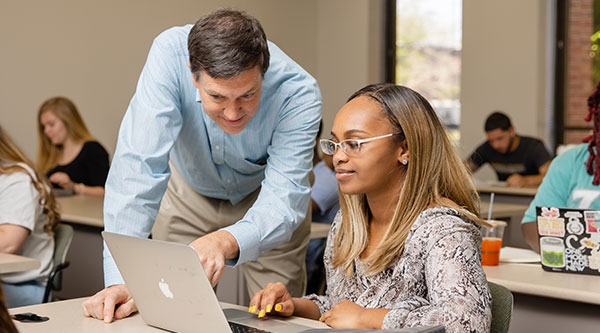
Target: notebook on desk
(569,239)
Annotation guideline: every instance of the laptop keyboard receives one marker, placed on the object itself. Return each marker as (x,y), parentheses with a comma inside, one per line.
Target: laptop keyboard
(237,328)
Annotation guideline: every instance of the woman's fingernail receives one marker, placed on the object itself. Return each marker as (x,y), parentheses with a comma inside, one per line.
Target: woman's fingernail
(320,318)
(278,307)
(269,307)
(251,309)
(261,314)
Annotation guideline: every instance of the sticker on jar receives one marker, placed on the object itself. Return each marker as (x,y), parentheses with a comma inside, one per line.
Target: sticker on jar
(552,250)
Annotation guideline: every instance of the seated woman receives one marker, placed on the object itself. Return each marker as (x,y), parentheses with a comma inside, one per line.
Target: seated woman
(27,220)
(404,251)
(68,154)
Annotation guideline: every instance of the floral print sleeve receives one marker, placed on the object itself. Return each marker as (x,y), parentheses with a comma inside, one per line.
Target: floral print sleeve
(437,280)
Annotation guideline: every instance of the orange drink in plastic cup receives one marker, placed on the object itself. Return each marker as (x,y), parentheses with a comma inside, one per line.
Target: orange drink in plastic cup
(491,243)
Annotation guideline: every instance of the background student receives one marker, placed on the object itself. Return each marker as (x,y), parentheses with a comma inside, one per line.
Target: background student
(403,252)
(27,220)
(219,135)
(325,204)
(68,154)
(573,180)
(518,160)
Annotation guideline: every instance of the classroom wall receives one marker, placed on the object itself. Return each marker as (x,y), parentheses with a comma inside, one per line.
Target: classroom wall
(93,52)
(504,67)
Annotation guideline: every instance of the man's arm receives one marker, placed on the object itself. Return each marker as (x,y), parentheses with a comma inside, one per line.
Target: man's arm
(476,160)
(517,180)
(284,197)
(139,173)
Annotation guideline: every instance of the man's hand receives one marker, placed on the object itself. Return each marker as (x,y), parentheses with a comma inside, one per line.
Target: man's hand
(102,305)
(515,180)
(212,250)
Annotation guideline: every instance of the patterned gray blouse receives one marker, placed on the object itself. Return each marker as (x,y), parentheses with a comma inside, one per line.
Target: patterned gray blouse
(438,279)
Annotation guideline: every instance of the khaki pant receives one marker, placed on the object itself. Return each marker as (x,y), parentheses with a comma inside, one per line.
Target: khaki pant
(185,215)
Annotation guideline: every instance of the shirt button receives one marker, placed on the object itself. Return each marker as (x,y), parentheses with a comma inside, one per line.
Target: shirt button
(230,192)
(217,147)
(228,181)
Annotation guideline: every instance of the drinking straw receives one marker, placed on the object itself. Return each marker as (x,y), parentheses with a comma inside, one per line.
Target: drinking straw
(490,207)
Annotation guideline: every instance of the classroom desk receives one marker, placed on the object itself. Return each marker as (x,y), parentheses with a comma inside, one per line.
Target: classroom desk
(11,263)
(505,194)
(549,301)
(67,316)
(85,275)
(515,191)
(82,209)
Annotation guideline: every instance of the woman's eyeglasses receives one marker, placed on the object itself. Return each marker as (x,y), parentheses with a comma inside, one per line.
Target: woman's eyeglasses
(349,147)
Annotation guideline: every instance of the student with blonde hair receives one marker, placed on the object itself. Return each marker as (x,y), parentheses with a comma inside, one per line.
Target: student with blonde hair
(68,154)
(404,251)
(28,218)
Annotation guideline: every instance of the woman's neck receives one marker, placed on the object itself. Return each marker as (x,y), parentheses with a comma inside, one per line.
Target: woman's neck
(70,150)
(382,206)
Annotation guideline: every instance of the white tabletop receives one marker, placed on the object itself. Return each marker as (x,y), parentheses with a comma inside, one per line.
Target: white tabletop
(10,263)
(82,209)
(520,191)
(67,316)
(531,279)
(87,210)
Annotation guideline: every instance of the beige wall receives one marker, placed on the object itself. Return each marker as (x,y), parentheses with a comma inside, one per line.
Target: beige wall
(503,67)
(93,52)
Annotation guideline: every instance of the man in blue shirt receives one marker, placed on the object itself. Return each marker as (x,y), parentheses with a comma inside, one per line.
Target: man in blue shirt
(221,129)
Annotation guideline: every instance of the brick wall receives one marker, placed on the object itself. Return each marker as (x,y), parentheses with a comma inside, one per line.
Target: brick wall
(579,67)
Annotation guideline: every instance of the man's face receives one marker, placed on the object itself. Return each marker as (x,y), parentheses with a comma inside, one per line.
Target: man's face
(500,140)
(231,102)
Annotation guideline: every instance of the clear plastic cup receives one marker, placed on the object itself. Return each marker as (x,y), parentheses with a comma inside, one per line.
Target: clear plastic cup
(491,242)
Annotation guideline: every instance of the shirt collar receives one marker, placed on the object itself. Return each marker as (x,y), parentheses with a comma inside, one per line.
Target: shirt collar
(198,96)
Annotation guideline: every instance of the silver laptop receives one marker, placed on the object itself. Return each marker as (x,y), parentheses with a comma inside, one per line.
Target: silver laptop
(172,292)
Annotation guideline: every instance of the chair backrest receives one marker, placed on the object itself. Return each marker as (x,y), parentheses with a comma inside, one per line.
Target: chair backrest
(62,241)
(502,305)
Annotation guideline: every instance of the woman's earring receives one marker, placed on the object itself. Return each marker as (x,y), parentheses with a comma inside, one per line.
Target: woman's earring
(405,162)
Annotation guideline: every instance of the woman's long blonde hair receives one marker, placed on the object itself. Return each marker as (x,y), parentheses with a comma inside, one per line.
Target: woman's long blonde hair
(9,155)
(66,111)
(435,171)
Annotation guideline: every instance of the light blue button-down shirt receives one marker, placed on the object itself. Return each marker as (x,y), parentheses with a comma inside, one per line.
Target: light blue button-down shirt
(165,120)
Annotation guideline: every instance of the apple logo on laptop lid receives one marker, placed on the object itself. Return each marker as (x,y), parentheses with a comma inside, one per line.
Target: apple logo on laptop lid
(164,288)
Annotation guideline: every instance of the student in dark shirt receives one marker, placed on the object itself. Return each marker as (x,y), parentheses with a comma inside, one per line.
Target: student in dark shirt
(521,161)
(68,154)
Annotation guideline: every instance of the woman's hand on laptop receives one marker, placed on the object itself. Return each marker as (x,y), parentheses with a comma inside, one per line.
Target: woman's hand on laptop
(102,305)
(274,299)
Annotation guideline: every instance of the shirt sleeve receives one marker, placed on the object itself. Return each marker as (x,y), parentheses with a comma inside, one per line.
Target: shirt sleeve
(18,201)
(541,154)
(96,164)
(139,172)
(325,190)
(477,157)
(554,189)
(284,197)
(458,294)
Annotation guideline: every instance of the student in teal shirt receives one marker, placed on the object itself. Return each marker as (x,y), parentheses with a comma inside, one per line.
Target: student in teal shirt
(573,179)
